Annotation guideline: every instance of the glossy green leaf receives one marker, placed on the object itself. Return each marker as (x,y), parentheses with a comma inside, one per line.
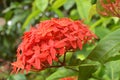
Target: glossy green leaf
(112,70)
(58,12)
(115,28)
(12,6)
(83,7)
(74,14)
(92,12)
(19,77)
(107,47)
(113,55)
(86,72)
(8,15)
(116,19)
(29,18)
(68,4)
(18,17)
(58,4)
(60,73)
(93,1)
(87,69)
(109,71)
(41,4)
(101,32)
(10,78)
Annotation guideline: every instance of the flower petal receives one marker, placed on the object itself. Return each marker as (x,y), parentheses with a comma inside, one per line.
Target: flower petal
(49,59)
(53,53)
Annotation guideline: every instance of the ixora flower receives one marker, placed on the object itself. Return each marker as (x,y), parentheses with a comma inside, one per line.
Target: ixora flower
(69,78)
(109,7)
(48,40)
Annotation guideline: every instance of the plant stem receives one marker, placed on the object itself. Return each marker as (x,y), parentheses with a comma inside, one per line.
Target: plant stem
(96,23)
(72,69)
(64,60)
(55,66)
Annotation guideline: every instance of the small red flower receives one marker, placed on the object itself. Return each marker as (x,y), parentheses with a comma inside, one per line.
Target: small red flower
(69,78)
(48,40)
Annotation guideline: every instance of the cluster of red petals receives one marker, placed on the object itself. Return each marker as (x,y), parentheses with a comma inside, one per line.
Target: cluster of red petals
(69,78)
(110,8)
(48,40)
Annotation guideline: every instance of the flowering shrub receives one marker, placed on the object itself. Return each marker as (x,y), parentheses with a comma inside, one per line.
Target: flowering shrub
(57,49)
(109,7)
(49,40)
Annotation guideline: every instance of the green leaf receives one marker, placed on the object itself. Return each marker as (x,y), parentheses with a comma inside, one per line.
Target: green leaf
(10,78)
(69,4)
(87,69)
(8,15)
(115,27)
(29,18)
(101,32)
(58,12)
(116,19)
(74,14)
(113,55)
(93,1)
(85,72)
(92,12)
(62,72)
(112,70)
(58,3)
(19,17)
(74,60)
(13,5)
(106,48)
(41,4)
(17,77)
(83,7)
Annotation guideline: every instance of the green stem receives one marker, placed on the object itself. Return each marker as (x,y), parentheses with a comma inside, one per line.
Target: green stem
(64,59)
(96,23)
(71,68)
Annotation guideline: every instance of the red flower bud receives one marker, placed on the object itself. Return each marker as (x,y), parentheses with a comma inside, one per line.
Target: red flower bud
(69,78)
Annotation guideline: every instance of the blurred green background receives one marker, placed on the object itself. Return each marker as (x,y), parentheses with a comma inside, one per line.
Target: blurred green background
(16,17)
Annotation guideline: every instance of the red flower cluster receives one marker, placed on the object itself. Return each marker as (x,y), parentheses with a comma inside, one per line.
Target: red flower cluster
(69,78)
(109,7)
(48,40)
